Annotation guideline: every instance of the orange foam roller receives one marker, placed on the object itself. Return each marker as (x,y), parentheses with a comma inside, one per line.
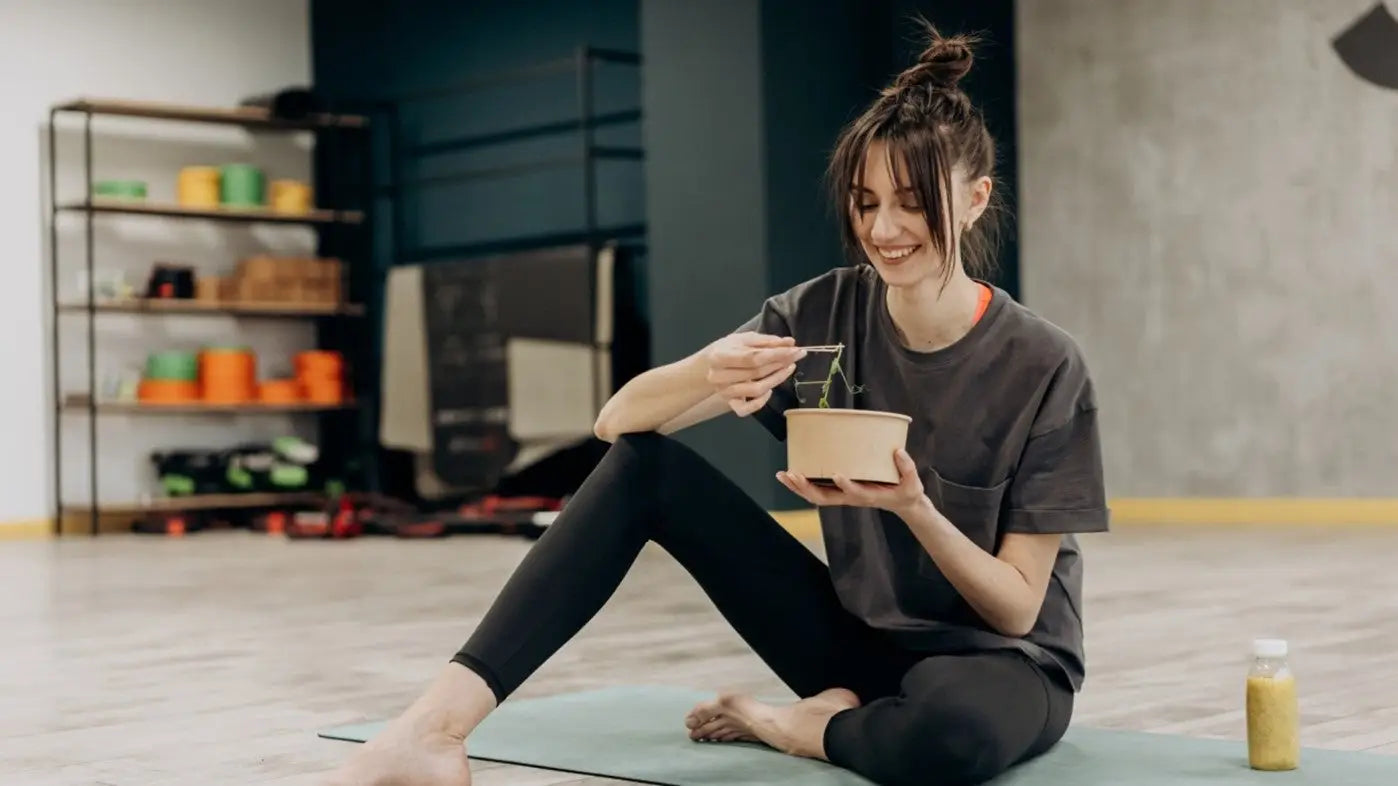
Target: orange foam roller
(319,362)
(167,391)
(227,376)
(279,391)
(323,391)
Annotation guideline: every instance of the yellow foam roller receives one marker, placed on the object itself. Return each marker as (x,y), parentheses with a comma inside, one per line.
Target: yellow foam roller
(198,186)
(290,196)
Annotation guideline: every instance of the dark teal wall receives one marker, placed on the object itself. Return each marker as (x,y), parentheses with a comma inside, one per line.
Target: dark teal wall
(742,101)
(706,200)
(373,50)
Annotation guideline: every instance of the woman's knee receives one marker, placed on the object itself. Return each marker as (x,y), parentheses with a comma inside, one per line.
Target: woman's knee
(952,746)
(903,742)
(655,453)
(969,750)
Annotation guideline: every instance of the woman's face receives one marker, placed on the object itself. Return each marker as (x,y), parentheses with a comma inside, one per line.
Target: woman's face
(889,222)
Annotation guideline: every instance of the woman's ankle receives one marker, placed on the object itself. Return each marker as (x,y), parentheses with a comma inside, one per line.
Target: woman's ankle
(453,705)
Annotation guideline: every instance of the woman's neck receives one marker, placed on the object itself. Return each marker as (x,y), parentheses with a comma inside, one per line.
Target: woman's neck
(929,316)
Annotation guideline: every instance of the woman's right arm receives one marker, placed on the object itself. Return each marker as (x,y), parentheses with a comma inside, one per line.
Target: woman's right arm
(736,372)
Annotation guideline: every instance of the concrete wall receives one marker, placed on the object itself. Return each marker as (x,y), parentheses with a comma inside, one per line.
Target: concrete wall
(1210,204)
(198,53)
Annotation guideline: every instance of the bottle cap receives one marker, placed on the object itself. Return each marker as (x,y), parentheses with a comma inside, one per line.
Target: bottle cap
(1269,648)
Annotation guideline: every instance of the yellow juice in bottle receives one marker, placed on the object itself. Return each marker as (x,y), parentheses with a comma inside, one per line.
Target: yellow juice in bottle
(1273,712)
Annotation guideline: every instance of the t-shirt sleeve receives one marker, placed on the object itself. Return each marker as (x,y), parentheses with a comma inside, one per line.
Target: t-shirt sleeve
(1059,485)
(773,320)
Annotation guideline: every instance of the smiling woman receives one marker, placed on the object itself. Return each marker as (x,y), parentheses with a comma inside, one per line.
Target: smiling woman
(943,638)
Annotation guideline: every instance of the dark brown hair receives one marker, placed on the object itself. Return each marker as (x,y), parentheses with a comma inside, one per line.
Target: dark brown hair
(929,124)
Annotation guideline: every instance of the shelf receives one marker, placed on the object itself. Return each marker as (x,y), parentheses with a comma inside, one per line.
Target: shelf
(249,116)
(262,214)
(188,306)
(202,502)
(81,401)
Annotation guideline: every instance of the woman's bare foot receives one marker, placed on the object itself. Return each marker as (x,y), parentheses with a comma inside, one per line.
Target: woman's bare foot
(425,746)
(400,757)
(796,729)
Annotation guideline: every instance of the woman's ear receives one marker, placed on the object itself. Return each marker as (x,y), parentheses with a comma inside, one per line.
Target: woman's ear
(980,189)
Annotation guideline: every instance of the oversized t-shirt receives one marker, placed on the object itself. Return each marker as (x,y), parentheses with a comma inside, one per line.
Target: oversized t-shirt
(1004,434)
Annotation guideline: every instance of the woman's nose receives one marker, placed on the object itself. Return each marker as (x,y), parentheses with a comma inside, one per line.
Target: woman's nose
(885,229)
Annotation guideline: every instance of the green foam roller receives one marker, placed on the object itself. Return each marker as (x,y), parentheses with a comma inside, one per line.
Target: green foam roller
(241,185)
(120,189)
(181,366)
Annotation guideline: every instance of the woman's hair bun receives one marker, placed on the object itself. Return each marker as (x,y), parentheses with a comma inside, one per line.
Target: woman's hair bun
(944,61)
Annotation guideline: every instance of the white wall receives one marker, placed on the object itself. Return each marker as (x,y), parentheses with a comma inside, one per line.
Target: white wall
(1209,202)
(211,52)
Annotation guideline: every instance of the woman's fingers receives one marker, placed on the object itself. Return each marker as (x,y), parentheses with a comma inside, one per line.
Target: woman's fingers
(757,387)
(804,488)
(720,376)
(750,358)
(744,407)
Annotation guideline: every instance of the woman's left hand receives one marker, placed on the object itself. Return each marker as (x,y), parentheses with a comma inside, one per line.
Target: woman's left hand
(898,499)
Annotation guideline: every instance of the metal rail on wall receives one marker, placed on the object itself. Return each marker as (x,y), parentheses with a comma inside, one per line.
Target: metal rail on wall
(421,171)
(403,155)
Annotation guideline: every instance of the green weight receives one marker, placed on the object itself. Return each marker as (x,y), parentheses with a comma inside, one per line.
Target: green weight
(241,185)
(180,366)
(238,477)
(295,450)
(177,485)
(289,476)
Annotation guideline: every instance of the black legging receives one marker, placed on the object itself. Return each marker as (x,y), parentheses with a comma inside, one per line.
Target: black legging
(944,719)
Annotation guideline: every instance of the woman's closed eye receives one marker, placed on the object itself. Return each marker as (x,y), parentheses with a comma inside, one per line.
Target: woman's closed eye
(910,207)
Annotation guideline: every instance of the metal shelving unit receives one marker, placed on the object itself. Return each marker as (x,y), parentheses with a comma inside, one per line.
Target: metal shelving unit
(327,129)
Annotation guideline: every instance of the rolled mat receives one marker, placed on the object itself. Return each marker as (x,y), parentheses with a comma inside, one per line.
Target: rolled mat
(637,733)
(241,185)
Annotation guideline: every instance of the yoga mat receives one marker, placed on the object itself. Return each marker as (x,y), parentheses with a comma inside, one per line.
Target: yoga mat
(637,733)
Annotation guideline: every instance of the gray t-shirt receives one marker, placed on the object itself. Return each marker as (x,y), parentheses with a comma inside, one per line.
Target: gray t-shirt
(1004,433)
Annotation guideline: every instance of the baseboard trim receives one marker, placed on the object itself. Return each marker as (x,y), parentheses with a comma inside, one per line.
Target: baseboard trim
(26,529)
(1293,511)
(1219,511)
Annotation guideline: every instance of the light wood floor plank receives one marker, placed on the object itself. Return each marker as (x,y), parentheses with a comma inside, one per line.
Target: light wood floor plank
(215,658)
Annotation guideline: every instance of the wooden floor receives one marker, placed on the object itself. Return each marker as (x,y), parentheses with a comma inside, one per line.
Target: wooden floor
(214,659)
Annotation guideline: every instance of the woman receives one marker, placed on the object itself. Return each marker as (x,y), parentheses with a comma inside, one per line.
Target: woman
(943,643)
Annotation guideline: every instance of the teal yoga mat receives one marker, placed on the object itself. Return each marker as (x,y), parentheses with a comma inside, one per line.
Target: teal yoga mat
(637,733)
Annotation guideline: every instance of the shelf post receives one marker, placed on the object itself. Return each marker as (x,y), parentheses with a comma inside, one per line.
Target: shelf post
(91,331)
(56,409)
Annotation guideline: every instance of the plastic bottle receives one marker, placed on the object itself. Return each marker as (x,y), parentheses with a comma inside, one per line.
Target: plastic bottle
(1273,714)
